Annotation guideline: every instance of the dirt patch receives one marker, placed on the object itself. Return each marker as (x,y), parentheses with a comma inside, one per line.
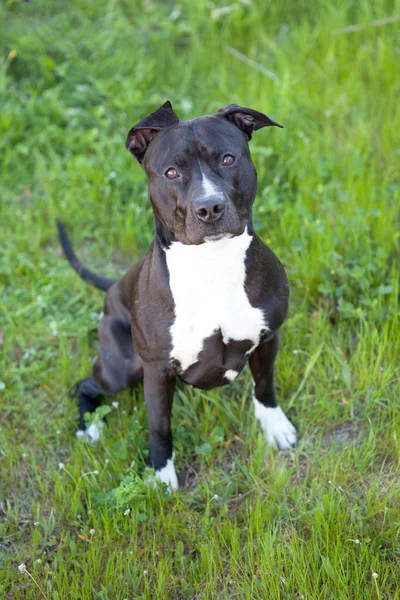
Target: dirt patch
(344,434)
(188,476)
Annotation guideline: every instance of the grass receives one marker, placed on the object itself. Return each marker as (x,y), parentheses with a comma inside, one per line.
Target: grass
(317,522)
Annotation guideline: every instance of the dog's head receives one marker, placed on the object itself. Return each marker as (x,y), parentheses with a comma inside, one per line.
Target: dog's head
(202,181)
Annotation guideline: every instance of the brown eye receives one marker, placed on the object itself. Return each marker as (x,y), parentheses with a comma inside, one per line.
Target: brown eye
(228,159)
(171,173)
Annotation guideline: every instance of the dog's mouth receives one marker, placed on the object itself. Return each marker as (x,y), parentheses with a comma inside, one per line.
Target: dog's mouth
(205,237)
(217,237)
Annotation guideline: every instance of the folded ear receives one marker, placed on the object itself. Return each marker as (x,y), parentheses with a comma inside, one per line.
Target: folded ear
(246,119)
(140,136)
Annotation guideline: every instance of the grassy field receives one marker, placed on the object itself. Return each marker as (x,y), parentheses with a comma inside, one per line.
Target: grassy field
(318,522)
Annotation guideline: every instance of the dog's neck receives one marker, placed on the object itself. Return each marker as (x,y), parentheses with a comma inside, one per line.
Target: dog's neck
(163,236)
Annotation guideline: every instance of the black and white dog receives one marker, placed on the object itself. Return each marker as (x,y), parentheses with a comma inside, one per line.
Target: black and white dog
(208,297)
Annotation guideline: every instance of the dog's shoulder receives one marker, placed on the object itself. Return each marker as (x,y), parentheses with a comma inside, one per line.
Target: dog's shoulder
(266,282)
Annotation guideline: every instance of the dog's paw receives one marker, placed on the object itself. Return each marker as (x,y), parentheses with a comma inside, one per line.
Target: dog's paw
(278,430)
(91,434)
(167,475)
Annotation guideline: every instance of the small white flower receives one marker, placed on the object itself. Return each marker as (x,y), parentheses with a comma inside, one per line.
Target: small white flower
(175,14)
(36,523)
(128,510)
(95,472)
(79,516)
(296,351)
(115,404)
(92,532)
(22,567)
(89,512)
(61,466)
(130,551)
(215,497)
(58,432)
(157,553)
(374,575)
(144,572)
(39,560)
(107,461)
(24,455)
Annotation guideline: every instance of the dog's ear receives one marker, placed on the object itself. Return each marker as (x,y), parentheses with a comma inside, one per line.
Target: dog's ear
(140,136)
(246,119)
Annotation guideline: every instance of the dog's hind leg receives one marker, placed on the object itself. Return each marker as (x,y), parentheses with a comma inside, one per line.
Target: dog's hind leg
(117,367)
(89,394)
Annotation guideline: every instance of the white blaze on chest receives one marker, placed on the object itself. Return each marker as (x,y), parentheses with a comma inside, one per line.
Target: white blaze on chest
(207,285)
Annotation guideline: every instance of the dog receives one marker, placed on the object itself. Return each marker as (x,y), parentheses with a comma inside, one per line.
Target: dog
(209,296)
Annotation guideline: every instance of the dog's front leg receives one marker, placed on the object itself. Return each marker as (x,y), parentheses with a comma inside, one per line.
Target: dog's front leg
(277,428)
(159,390)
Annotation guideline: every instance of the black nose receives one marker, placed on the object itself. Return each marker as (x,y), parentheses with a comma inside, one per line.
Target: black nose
(209,210)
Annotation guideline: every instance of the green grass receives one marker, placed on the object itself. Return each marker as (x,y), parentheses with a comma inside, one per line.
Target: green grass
(249,522)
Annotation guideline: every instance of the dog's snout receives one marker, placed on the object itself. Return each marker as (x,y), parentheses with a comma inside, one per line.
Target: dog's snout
(209,210)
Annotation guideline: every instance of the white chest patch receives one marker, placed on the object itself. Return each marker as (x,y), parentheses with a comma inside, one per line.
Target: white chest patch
(207,285)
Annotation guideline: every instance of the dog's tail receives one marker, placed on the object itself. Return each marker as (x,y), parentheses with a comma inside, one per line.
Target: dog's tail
(103,283)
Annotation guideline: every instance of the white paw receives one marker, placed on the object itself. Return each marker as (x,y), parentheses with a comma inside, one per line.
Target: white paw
(278,430)
(167,475)
(91,434)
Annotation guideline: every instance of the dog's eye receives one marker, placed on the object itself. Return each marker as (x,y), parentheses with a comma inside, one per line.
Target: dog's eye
(228,159)
(171,173)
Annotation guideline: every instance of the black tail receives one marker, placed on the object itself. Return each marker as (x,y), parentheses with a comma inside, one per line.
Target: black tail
(103,283)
